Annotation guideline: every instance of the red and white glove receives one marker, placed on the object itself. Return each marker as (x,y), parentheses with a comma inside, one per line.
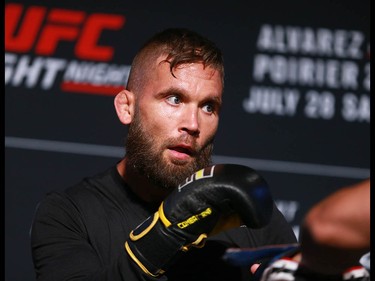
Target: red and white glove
(284,268)
(278,263)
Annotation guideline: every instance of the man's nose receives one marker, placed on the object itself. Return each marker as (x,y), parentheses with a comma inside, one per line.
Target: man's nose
(190,121)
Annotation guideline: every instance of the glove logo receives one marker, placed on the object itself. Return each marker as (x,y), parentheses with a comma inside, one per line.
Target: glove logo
(197,176)
(194,218)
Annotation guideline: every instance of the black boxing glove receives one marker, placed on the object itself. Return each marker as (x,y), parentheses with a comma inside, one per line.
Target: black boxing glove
(212,200)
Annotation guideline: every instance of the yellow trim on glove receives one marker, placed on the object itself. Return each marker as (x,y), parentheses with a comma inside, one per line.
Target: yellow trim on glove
(134,258)
(199,243)
(163,218)
(147,230)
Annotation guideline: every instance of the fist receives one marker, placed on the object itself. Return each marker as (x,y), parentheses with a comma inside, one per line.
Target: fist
(211,200)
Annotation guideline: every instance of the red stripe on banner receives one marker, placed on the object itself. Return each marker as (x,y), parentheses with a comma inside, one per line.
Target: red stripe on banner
(91,89)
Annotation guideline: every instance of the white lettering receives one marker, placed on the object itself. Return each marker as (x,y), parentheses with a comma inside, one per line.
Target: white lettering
(324,41)
(279,39)
(356,108)
(10,60)
(349,75)
(332,74)
(96,73)
(355,44)
(367,79)
(305,71)
(267,100)
(28,70)
(265,41)
(31,71)
(53,66)
(292,37)
(309,41)
(319,105)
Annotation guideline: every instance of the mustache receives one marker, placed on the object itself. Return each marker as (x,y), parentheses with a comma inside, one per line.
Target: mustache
(187,140)
(195,150)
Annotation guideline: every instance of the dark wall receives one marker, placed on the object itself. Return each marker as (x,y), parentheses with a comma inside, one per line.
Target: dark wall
(296,100)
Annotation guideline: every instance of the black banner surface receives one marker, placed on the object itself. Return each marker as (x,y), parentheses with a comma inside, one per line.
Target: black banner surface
(296,99)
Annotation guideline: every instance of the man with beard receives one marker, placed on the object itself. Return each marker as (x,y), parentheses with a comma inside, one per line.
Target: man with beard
(171,105)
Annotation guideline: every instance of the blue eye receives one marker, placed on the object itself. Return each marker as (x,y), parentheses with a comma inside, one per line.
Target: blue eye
(174,99)
(209,108)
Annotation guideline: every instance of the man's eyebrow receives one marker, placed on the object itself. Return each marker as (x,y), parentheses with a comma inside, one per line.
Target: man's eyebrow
(177,91)
(216,99)
(171,90)
(213,99)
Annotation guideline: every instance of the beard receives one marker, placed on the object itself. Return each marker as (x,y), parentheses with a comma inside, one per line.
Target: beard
(147,158)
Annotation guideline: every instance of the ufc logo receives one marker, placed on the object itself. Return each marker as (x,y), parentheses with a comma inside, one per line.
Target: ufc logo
(56,25)
(201,174)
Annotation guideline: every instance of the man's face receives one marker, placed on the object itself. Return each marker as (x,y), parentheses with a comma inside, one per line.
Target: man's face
(174,124)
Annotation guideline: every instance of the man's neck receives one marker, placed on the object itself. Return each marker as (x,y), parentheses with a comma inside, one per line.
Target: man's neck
(139,184)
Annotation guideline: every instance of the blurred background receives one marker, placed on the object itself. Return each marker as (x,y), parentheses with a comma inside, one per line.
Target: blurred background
(296,99)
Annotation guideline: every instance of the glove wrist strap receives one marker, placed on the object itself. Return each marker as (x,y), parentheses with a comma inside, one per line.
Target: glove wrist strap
(145,249)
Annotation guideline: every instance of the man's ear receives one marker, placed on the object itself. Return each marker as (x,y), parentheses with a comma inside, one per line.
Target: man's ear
(124,104)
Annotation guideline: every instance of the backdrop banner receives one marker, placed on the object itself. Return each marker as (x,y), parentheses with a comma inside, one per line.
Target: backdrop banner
(296,98)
